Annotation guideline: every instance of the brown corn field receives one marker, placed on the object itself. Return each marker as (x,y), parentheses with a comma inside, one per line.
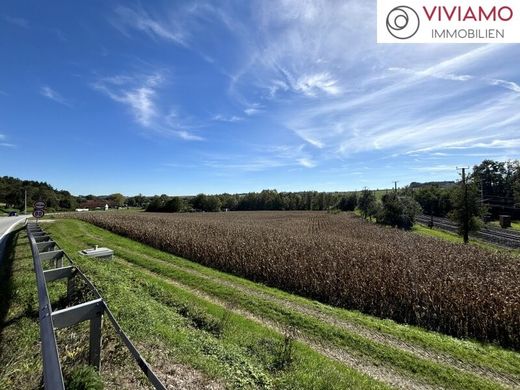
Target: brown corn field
(345,261)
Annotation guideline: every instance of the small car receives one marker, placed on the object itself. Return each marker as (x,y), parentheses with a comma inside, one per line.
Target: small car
(13,214)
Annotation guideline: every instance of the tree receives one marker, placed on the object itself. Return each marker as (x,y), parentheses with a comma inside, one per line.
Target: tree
(174,205)
(118,198)
(348,202)
(497,182)
(229,202)
(198,202)
(155,204)
(211,203)
(434,200)
(398,211)
(467,207)
(367,203)
(140,200)
(516,190)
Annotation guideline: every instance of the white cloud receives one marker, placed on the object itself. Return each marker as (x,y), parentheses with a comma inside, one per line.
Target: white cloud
(319,82)
(223,118)
(316,71)
(252,111)
(20,22)
(431,73)
(506,84)
(307,163)
(52,94)
(140,94)
(6,145)
(263,158)
(141,20)
(436,168)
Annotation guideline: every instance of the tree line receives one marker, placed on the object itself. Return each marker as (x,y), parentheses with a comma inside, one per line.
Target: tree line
(491,188)
(13,190)
(264,200)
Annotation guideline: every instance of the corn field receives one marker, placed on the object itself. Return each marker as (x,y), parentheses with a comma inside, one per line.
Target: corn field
(342,260)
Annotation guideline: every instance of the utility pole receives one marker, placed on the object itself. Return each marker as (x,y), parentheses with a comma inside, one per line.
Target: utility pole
(395,186)
(465,225)
(25,202)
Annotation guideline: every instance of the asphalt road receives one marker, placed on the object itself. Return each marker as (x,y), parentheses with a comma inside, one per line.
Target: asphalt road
(7,224)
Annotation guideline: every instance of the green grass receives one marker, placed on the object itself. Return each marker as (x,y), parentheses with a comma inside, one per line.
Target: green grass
(437,233)
(168,267)
(456,239)
(515,225)
(159,316)
(19,331)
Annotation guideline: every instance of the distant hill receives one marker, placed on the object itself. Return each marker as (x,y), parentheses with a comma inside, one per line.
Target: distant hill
(441,184)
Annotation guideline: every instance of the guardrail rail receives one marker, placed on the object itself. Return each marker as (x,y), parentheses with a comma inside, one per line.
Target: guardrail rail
(44,249)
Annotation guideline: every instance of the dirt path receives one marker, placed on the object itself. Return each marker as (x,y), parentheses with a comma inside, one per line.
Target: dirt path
(505,380)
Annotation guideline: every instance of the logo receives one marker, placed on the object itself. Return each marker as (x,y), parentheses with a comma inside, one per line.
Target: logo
(448,21)
(403,22)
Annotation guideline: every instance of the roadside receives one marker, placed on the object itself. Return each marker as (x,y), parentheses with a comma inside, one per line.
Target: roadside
(8,225)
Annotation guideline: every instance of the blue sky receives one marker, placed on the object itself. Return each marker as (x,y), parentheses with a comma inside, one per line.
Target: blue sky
(235,96)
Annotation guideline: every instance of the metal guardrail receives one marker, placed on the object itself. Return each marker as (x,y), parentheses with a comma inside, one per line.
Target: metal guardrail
(44,249)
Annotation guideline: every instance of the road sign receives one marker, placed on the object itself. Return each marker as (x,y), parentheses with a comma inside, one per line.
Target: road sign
(38,213)
(39,205)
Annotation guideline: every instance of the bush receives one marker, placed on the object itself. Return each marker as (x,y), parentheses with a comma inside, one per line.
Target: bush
(398,211)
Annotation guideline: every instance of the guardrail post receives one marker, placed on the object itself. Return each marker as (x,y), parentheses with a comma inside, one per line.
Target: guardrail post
(71,286)
(96,324)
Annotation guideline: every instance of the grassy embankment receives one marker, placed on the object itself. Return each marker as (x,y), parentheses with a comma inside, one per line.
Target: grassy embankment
(227,331)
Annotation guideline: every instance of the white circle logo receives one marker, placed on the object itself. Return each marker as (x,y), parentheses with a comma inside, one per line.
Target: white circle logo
(402,22)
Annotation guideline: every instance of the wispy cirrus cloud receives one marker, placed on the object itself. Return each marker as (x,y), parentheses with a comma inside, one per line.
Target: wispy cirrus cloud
(156,26)
(264,158)
(54,95)
(224,118)
(314,71)
(506,84)
(17,21)
(5,144)
(140,93)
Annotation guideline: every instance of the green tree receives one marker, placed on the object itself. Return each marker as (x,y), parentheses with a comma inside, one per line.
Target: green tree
(467,208)
(367,203)
(174,205)
(198,202)
(211,203)
(155,205)
(398,211)
(434,200)
(348,202)
(118,198)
